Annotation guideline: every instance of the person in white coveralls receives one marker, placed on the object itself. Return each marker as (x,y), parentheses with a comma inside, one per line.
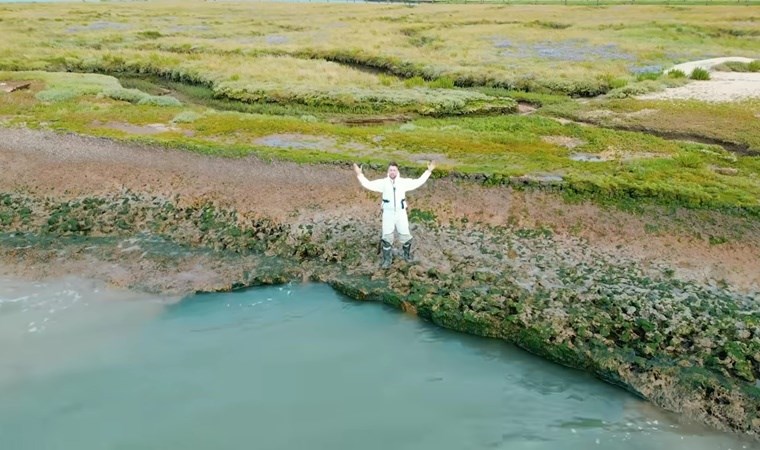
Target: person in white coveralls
(394,188)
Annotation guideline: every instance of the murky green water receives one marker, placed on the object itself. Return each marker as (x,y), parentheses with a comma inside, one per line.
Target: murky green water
(289,367)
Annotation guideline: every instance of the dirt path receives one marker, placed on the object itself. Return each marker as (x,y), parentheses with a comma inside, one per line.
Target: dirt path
(68,166)
(721,87)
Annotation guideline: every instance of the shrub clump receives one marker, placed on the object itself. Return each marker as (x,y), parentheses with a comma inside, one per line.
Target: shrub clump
(442,83)
(738,66)
(648,76)
(699,74)
(160,100)
(422,100)
(125,95)
(138,97)
(56,95)
(186,117)
(634,89)
(415,81)
(688,161)
(66,86)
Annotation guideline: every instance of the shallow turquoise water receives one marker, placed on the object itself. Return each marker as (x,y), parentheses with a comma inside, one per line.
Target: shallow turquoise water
(291,367)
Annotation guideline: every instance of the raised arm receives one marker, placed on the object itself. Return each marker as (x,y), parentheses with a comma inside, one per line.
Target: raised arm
(375,185)
(414,184)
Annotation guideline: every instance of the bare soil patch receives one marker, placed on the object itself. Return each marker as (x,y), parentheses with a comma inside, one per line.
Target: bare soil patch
(12,86)
(564,141)
(525,108)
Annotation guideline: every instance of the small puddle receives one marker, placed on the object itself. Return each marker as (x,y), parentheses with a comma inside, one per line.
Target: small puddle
(297,141)
(144,130)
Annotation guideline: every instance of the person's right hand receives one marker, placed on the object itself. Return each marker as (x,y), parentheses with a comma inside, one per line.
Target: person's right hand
(357,170)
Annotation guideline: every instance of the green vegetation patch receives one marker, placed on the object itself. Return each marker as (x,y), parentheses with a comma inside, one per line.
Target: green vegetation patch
(738,66)
(699,74)
(732,123)
(286,80)
(362,99)
(576,52)
(66,86)
(589,162)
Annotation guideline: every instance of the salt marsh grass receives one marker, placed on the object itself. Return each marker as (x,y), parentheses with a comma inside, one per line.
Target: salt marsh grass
(564,49)
(229,76)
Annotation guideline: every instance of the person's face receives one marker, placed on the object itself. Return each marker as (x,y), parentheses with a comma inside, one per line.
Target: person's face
(392,172)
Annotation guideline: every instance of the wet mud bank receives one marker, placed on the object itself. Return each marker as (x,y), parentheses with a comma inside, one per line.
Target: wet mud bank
(649,303)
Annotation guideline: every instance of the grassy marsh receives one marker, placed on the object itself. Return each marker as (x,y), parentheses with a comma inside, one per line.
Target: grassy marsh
(574,50)
(248,78)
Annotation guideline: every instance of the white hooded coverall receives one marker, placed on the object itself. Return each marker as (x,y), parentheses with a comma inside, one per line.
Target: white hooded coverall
(394,202)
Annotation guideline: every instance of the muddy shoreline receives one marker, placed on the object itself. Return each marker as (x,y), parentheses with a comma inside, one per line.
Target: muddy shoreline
(645,301)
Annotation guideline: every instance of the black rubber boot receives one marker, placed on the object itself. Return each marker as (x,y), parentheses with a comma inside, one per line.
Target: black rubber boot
(387,256)
(408,251)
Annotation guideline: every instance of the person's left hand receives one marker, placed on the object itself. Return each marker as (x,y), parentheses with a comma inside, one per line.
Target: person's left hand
(431,165)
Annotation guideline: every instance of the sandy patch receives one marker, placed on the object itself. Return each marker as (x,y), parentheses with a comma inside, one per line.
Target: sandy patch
(563,121)
(613,154)
(641,113)
(707,64)
(12,86)
(564,141)
(725,170)
(722,87)
(596,114)
(525,108)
